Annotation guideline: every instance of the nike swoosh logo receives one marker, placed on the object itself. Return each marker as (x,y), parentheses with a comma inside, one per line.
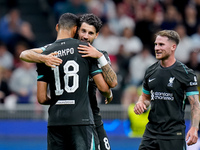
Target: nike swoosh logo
(150,80)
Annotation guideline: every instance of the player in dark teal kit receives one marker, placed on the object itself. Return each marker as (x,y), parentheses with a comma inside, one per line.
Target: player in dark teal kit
(89,26)
(166,85)
(88,30)
(70,122)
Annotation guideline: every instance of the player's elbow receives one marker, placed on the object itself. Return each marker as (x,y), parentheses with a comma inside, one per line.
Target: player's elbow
(41,99)
(104,89)
(21,56)
(113,84)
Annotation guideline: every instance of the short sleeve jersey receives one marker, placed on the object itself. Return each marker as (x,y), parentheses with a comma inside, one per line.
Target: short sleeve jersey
(68,84)
(168,88)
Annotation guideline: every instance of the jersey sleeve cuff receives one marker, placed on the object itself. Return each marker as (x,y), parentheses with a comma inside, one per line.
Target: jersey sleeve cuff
(145,91)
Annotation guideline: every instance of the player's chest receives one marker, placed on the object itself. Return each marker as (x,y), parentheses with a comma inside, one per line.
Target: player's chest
(164,80)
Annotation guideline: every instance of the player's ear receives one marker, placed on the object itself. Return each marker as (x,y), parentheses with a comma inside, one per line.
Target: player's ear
(57,27)
(74,29)
(174,47)
(96,35)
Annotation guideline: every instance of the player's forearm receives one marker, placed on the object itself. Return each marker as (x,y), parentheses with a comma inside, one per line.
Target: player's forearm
(144,98)
(195,110)
(108,73)
(109,76)
(107,94)
(31,56)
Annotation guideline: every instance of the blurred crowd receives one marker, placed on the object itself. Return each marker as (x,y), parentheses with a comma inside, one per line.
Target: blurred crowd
(127,35)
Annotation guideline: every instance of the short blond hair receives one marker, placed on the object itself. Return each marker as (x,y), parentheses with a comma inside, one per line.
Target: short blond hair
(171,34)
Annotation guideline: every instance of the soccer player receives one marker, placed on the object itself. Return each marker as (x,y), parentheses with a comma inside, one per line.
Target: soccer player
(165,85)
(70,122)
(88,30)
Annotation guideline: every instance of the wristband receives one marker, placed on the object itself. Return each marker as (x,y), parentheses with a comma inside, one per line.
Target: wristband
(102,61)
(110,94)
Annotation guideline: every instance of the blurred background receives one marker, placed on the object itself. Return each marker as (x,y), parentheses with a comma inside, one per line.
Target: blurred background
(128,37)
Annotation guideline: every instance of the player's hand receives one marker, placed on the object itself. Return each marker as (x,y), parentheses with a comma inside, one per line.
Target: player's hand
(108,100)
(52,61)
(139,108)
(192,136)
(89,51)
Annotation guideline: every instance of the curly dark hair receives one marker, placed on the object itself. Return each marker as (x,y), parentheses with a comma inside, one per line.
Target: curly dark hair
(90,19)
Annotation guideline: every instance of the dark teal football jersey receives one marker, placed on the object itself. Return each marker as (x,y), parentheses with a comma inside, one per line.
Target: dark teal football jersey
(168,88)
(68,84)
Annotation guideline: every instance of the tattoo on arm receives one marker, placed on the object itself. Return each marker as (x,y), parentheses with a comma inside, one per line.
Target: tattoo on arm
(195,110)
(109,75)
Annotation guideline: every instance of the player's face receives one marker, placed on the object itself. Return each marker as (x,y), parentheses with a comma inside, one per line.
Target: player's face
(87,33)
(163,47)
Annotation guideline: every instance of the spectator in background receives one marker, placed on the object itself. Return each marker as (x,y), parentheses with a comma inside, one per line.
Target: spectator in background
(6,58)
(193,61)
(77,7)
(117,91)
(13,28)
(144,21)
(4,89)
(194,64)
(123,63)
(172,18)
(197,5)
(23,82)
(129,96)
(196,37)
(129,7)
(137,122)
(19,47)
(138,65)
(120,21)
(132,44)
(185,45)
(107,40)
(104,9)
(190,20)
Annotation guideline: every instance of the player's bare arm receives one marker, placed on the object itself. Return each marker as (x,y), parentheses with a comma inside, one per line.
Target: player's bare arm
(192,135)
(35,56)
(108,73)
(42,93)
(142,104)
(103,87)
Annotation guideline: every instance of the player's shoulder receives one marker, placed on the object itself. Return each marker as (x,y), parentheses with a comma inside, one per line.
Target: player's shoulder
(181,67)
(76,41)
(153,67)
(68,41)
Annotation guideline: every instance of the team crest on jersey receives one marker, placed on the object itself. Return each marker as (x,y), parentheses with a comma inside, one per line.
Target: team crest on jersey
(171,81)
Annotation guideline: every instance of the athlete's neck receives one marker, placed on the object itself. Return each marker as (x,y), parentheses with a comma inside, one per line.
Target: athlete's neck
(167,62)
(63,34)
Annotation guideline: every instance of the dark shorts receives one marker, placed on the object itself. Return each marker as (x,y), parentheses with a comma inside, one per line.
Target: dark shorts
(103,138)
(83,137)
(162,144)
